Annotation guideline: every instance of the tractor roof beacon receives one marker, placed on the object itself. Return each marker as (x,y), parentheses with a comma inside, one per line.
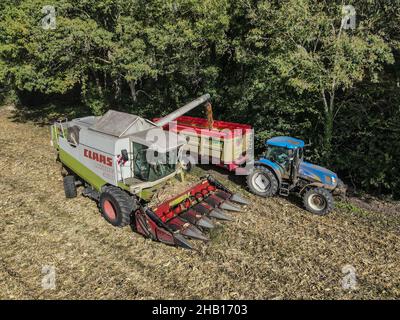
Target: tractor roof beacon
(121,159)
(282,170)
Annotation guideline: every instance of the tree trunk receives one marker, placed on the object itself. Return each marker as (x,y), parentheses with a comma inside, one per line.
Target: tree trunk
(132,86)
(98,84)
(328,133)
(328,126)
(117,85)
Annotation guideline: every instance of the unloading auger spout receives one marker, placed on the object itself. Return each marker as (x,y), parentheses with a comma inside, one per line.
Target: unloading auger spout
(181,111)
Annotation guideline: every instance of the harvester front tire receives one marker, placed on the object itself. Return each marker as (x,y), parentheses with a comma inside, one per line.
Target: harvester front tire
(70,187)
(262,182)
(318,201)
(116,206)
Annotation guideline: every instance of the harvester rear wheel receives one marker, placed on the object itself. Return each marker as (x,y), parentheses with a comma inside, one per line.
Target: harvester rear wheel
(318,201)
(262,182)
(116,206)
(70,187)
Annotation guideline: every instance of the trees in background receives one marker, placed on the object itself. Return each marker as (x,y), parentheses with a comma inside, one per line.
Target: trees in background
(286,67)
(134,54)
(309,48)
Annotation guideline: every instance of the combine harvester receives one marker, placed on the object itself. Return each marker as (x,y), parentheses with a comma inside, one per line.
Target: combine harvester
(121,160)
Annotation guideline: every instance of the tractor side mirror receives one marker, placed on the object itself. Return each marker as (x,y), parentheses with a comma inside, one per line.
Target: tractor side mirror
(124,154)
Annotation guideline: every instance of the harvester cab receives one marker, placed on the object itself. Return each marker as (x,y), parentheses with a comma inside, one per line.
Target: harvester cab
(122,159)
(282,170)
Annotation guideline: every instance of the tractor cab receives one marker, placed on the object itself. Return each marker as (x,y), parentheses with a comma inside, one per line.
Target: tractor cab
(287,153)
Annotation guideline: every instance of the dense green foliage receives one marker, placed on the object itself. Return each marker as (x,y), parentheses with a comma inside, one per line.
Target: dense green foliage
(286,67)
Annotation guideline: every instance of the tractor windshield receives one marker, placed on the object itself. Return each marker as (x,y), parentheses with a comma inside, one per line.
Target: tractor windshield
(279,155)
(149,165)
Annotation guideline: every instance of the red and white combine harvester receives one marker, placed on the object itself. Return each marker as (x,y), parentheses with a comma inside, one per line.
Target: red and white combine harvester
(121,159)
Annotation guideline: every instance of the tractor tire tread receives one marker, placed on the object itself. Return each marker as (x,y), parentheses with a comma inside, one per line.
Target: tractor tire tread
(271,176)
(328,198)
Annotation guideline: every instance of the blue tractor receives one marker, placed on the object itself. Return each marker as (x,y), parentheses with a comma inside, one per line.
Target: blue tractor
(282,170)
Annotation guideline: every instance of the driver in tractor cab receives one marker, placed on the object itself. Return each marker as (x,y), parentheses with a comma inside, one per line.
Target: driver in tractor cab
(279,155)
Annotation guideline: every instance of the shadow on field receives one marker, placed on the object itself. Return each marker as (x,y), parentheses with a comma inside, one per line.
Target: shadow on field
(237,179)
(44,110)
(240,180)
(46,114)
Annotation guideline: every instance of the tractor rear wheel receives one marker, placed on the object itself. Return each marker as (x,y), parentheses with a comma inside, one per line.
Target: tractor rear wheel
(70,187)
(262,182)
(116,206)
(319,201)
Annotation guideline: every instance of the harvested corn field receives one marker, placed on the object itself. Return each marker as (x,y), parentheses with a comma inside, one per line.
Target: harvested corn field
(272,250)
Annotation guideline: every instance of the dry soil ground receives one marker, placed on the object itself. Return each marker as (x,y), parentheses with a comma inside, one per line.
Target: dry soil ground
(273,250)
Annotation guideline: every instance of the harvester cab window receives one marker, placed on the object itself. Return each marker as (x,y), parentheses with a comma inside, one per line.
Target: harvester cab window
(149,165)
(141,167)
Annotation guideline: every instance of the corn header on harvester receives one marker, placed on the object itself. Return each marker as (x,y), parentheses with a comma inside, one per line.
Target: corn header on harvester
(121,160)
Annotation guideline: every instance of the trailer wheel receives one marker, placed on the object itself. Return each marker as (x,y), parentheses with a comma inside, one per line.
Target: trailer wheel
(70,187)
(262,182)
(318,201)
(116,206)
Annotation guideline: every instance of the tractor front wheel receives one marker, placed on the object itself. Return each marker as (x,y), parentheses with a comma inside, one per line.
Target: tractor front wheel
(116,206)
(318,201)
(262,182)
